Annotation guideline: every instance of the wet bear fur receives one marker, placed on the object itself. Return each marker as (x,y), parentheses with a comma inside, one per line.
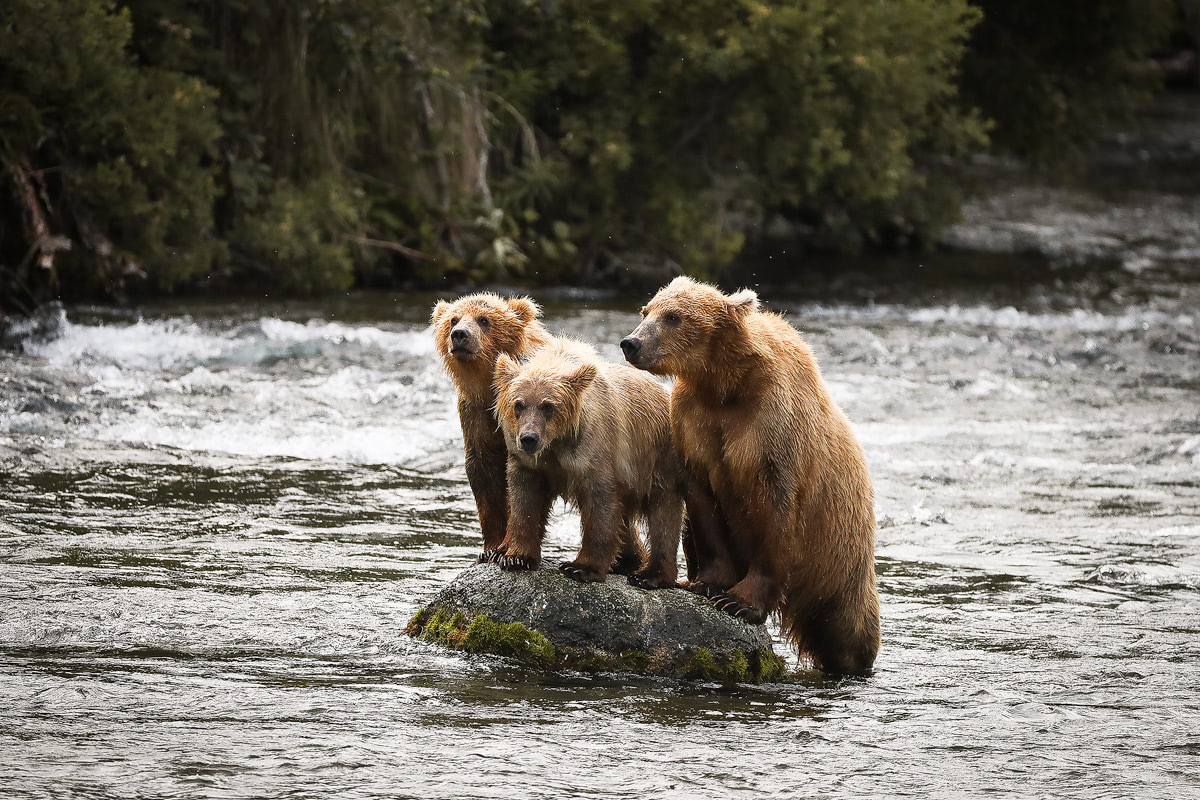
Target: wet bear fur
(470,334)
(598,435)
(779,498)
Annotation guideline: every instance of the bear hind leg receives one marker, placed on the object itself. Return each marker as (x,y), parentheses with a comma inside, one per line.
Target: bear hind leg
(632,554)
(487,474)
(842,639)
(665,521)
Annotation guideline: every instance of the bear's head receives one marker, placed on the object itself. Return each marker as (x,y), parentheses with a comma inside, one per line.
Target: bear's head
(473,331)
(683,324)
(540,401)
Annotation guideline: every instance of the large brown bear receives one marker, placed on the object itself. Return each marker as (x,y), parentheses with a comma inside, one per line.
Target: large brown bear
(471,334)
(779,497)
(598,435)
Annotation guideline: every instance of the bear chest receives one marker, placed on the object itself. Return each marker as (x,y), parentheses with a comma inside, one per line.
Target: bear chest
(718,443)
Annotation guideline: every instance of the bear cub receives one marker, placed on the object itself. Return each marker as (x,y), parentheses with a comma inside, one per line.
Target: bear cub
(470,334)
(598,435)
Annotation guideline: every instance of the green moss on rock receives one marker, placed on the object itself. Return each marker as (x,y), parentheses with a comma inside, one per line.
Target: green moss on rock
(759,667)
(484,636)
(417,623)
(771,668)
(512,639)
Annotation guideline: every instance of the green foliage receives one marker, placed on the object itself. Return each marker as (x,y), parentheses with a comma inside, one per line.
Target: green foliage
(1050,73)
(688,122)
(307,146)
(294,237)
(106,163)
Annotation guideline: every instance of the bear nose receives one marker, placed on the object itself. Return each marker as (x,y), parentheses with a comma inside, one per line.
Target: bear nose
(529,442)
(630,346)
(458,336)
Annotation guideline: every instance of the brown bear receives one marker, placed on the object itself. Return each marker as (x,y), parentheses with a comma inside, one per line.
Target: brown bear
(471,334)
(598,435)
(779,498)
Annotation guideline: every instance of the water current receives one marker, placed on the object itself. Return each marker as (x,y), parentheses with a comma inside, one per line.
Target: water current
(216,519)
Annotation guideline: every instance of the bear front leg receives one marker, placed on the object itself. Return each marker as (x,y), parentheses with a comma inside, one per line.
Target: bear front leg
(763,540)
(601,513)
(529,500)
(487,466)
(487,474)
(665,523)
(714,569)
(752,598)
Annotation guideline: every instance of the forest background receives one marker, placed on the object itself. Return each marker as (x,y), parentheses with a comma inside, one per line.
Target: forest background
(160,146)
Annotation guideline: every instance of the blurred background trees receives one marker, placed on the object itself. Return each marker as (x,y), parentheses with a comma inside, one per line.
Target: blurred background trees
(308,147)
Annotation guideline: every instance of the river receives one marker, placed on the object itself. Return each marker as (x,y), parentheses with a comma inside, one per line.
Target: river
(216,519)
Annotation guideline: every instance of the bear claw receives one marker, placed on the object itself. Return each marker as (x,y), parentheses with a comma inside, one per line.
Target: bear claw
(649,582)
(516,562)
(576,573)
(490,556)
(700,588)
(736,609)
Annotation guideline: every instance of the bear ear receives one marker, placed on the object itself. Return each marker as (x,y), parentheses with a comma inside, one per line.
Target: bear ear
(582,377)
(525,309)
(742,302)
(439,311)
(506,370)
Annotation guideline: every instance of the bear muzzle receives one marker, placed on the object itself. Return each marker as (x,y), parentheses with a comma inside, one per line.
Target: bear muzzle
(462,345)
(631,346)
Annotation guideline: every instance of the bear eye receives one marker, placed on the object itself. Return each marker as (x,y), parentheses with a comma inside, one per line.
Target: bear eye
(484,322)
(518,406)
(547,408)
(671,318)
(453,321)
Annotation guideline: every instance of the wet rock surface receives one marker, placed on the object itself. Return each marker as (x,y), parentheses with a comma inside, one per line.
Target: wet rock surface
(1133,203)
(597,626)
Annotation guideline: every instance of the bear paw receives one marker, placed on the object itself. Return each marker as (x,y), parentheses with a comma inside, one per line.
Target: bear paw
(491,556)
(580,573)
(738,610)
(649,580)
(511,563)
(701,588)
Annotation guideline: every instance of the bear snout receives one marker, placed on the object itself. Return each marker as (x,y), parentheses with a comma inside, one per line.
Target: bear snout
(530,441)
(462,343)
(631,346)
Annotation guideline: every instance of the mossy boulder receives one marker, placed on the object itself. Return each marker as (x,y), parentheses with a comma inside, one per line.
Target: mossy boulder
(546,620)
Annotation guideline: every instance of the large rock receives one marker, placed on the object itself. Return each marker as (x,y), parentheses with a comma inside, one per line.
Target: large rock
(548,620)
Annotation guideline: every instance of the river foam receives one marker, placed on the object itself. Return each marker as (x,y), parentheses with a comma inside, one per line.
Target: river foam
(264,387)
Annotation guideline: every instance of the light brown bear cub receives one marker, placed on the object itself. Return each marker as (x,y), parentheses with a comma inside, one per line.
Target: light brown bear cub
(471,334)
(779,497)
(598,435)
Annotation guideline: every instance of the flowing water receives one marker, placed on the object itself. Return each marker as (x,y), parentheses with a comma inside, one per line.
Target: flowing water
(216,519)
